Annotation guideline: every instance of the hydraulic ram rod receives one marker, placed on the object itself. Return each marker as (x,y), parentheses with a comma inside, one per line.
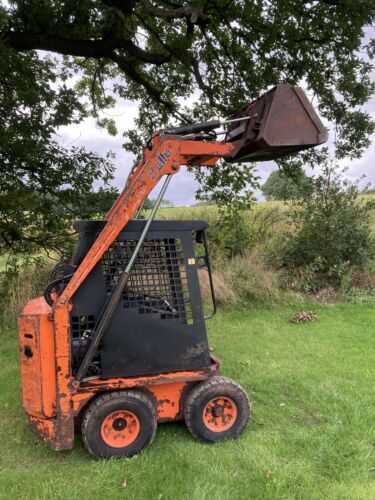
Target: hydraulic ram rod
(110,307)
(202,126)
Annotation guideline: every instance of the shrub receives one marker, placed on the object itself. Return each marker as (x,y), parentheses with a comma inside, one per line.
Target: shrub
(330,235)
(229,235)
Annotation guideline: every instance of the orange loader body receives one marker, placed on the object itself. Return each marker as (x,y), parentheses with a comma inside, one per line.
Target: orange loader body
(52,397)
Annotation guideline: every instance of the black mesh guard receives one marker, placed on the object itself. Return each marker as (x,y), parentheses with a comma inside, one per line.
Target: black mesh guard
(157,282)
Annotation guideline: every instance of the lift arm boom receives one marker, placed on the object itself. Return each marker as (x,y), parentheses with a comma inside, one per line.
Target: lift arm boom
(164,156)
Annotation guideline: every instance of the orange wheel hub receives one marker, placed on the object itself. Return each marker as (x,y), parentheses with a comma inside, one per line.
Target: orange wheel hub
(120,428)
(220,414)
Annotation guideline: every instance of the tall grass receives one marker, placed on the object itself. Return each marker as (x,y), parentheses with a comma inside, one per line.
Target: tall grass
(19,283)
(240,271)
(243,278)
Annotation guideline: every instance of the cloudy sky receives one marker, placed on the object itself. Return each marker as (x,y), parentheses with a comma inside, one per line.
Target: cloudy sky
(183,186)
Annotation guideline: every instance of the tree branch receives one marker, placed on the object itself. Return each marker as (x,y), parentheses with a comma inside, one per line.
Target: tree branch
(138,77)
(192,13)
(126,8)
(81,48)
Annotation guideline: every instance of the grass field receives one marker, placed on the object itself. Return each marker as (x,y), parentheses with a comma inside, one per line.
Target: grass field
(312,435)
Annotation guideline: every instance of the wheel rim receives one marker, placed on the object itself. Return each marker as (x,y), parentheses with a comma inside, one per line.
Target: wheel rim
(220,414)
(120,428)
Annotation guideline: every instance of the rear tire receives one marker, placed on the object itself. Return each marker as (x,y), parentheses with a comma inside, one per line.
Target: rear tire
(119,424)
(216,409)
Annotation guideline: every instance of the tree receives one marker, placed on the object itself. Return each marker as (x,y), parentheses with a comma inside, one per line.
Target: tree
(331,232)
(228,51)
(43,186)
(161,53)
(281,186)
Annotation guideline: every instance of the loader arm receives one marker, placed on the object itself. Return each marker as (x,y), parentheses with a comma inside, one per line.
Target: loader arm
(164,156)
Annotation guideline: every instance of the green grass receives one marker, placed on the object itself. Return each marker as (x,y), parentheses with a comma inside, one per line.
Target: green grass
(312,435)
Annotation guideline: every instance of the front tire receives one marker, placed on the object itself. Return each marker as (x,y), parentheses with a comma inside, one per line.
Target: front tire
(119,424)
(216,409)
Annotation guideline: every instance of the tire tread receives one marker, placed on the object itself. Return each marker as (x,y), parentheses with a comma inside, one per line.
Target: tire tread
(112,396)
(198,391)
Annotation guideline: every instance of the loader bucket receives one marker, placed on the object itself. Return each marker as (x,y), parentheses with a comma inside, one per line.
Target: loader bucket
(281,122)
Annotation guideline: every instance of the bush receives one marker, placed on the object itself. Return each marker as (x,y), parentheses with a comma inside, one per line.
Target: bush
(330,234)
(229,235)
(239,233)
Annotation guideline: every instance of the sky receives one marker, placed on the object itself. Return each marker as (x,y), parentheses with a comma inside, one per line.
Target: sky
(183,186)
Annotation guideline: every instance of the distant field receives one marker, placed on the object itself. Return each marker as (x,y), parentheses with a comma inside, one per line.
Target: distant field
(312,435)
(210,211)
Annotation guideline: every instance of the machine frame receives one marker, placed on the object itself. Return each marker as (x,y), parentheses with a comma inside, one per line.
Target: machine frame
(280,122)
